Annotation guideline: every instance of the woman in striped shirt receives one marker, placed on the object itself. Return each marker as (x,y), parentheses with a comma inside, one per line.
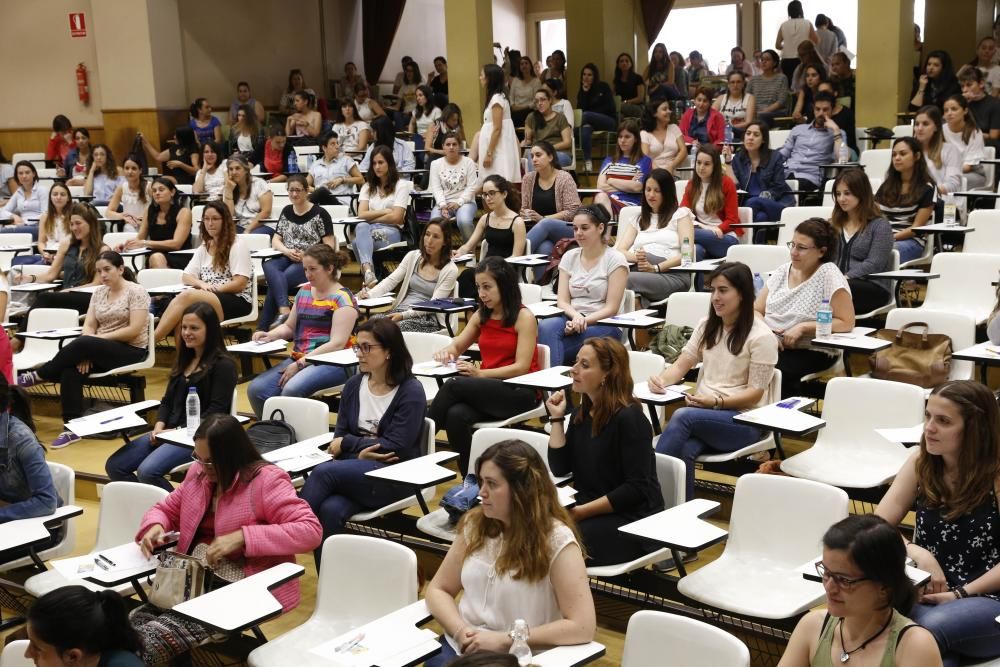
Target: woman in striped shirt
(906,197)
(623,173)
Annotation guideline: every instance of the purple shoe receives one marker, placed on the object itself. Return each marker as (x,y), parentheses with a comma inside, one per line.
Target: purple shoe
(28,379)
(65,439)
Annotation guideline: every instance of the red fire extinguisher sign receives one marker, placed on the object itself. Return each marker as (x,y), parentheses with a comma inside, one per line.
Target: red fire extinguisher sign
(77,25)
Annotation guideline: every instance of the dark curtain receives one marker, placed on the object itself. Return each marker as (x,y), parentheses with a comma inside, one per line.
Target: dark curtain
(654,13)
(379,21)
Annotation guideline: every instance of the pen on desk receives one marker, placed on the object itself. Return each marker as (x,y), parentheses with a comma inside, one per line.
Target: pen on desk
(350,643)
(113,419)
(100,564)
(107,560)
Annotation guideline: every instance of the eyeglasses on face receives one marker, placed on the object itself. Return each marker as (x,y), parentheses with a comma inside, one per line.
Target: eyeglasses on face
(794,247)
(846,583)
(489,193)
(206,463)
(364,348)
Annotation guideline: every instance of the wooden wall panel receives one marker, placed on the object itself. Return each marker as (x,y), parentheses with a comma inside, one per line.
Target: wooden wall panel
(121,126)
(34,139)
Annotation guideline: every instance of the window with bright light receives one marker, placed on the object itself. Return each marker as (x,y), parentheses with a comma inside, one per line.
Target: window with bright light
(551,36)
(843,13)
(710,30)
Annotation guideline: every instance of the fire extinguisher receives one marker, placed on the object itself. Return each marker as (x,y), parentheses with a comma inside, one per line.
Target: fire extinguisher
(82,89)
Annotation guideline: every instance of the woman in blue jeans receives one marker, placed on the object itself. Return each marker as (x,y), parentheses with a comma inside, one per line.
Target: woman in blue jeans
(380,422)
(26,486)
(592,281)
(202,365)
(711,195)
(738,353)
(382,203)
(952,480)
(597,102)
(301,224)
(322,320)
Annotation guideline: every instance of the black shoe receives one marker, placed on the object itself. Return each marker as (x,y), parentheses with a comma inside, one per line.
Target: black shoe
(668,564)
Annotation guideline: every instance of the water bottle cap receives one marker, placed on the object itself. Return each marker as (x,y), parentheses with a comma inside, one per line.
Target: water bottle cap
(192,390)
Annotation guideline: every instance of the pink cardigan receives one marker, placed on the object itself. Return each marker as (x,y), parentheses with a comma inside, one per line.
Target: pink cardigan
(276,523)
(567,198)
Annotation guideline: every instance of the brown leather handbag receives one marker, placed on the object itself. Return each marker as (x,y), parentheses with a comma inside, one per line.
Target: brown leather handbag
(923,359)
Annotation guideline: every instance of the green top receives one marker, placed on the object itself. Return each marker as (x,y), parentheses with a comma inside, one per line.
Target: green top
(825,647)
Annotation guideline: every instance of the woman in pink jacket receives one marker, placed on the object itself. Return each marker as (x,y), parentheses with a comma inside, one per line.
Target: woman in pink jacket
(244,509)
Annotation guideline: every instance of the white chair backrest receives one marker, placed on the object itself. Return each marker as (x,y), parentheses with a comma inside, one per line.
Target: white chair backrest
(278,203)
(959,327)
(692,643)
(793,215)
(7,256)
(279,188)
(123,505)
(347,591)
(530,293)
(308,417)
(422,346)
(643,364)
(777,138)
(64,479)
(687,308)
(196,213)
(184,188)
(670,473)
(338,212)
(989,169)
(255,241)
(30,157)
(762,259)
(13,653)
(76,191)
(630,215)
(764,524)
(149,278)
(964,285)
(48,173)
(855,407)
(876,161)
(986,238)
(483,438)
(680,185)
(115,239)
(903,130)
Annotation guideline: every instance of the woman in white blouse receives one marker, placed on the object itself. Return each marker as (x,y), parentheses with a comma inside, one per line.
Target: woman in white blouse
(517,556)
(795,291)
(103,175)
(354,133)
(653,240)
(960,131)
(736,104)
(248,198)
(453,182)
(211,178)
(382,203)
(29,201)
(944,161)
(132,196)
(662,141)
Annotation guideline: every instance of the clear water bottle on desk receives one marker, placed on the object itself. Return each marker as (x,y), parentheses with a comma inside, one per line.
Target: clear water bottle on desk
(824,320)
(685,251)
(729,132)
(519,648)
(950,210)
(293,163)
(193,410)
(843,154)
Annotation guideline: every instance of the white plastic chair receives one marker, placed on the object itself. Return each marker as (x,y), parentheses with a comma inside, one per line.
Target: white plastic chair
(115,239)
(986,239)
(30,157)
(307,416)
(762,259)
(692,643)
(902,130)
(777,138)
(150,278)
(422,347)
(957,326)
(256,242)
(64,480)
(891,303)
(123,505)
(687,309)
(7,256)
(670,474)
(793,215)
(544,361)
(876,161)
(989,169)
(279,189)
(643,364)
(13,654)
(530,293)
(250,317)
(964,285)
(148,362)
(338,212)
(427,446)
(37,351)
(345,597)
(680,185)
(746,217)
(848,452)
(777,524)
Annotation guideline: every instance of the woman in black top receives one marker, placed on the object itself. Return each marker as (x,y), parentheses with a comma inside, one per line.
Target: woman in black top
(166,227)
(201,364)
(629,86)
(597,103)
(180,160)
(937,83)
(607,446)
(502,228)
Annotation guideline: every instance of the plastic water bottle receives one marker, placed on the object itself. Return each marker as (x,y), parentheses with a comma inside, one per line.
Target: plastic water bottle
(685,251)
(293,163)
(824,320)
(520,648)
(729,132)
(950,210)
(193,411)
(843,154)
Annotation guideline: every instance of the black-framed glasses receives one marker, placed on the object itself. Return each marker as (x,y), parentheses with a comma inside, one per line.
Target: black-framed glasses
(490,193)
(206,463)
(364,348)
(843,582)
(792,245)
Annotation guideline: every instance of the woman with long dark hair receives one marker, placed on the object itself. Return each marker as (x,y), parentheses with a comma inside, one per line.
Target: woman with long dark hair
(166,227)
(944,160)
(246,136)
(711,196)
(738,353)
(380,422)
(961,132)
(248,198)
(660,77)
(597,104)
(257,522)
(26,486)
(622,172)
(502,228)
(201,364)
(53,226)
(937,82)
(629,86)
(606,446)
(211,178)
(662,139)
(382,203)
(507,333)
(206,126)
(103,175)
(497,149)
(522,91)
(132,196)
(180,160)
(907,196)
(868,597)
(760,172)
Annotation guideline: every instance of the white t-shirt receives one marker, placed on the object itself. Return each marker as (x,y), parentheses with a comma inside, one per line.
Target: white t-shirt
(372,407)
(588,290)
(203,267)
(349,134)
(788,306)
(248,208)
(425,120)
(663,242)
(704,217)
(399,198)
(6,173)
(724,374)
(973,152)
(215,181)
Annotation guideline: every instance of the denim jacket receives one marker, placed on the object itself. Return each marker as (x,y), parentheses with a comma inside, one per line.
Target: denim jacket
(772,176)
(25,481)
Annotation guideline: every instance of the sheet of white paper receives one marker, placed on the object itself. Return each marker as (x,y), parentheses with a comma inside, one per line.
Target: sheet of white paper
(378,643)
(86,427)
(259,348)
(127,558)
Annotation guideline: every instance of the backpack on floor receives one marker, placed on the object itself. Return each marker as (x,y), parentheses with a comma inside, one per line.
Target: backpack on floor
(270,434)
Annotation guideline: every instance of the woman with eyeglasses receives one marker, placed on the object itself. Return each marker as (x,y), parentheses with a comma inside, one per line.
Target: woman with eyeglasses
(239,511)
(380,422)
(795,291)
(953,481)
(202,364)
(321,320)
(868,599)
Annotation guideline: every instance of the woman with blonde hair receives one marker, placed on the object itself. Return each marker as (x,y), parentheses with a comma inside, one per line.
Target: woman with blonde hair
(517,556)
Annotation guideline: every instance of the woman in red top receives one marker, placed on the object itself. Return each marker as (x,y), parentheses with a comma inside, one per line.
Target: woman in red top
(60,141)
(506,332)
(276,152)
(703,124)
(711,196)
